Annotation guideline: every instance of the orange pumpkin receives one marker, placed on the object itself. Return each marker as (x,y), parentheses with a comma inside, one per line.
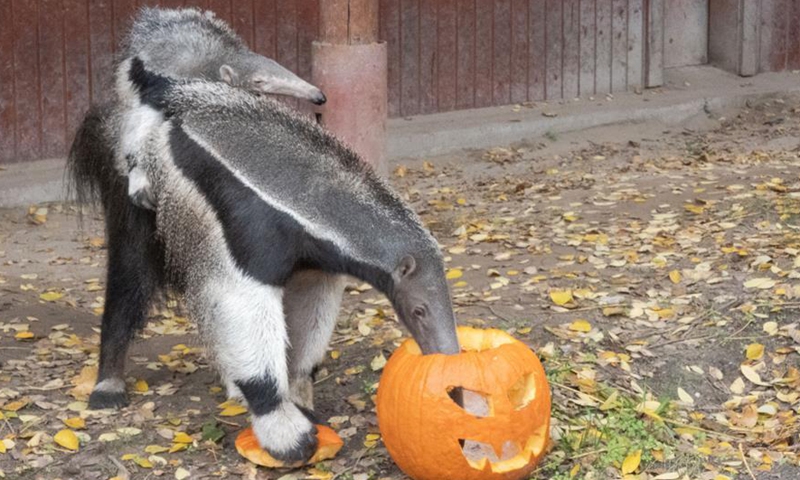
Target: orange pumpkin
(247,445)
(502,430)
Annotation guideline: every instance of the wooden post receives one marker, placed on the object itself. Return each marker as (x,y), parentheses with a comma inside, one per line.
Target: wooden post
(350,66)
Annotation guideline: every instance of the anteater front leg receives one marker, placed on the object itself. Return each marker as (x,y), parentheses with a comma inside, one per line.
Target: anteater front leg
(245,320)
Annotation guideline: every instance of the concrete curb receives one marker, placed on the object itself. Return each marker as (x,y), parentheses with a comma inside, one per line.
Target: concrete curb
(690,92)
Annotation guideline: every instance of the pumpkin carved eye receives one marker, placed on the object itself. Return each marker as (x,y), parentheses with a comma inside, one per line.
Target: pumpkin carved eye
(477,404)
(523,392)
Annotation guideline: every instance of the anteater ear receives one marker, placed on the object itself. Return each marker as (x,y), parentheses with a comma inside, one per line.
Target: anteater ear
(405,268)
(228,75)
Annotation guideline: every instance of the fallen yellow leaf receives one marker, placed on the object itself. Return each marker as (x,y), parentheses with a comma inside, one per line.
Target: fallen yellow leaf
(675,276)
(182,437)
(580,326)
(454,273)
(155,449)
(561,297)
(67,439)
(231,411)
(755,351)
(631,462)
(50,296)
(75,422)
(141,386)
(24,335)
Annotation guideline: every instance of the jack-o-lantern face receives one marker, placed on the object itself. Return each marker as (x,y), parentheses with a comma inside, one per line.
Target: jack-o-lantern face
(481,414)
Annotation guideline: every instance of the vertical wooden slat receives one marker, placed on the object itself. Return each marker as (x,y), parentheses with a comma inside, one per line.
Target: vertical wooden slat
(654,58)
(409,59)
(123,10)
(555,50)
(428,55)
(501,53)
(587,40)
(174,3)
(101,41)
(222,8)
(537,57)
(519,51)
(265,36)
(242,19)
(29,120)
(447,56)
(572,55)
(287,38)
(8,121)
(793,38)
(602,72)
(465,67)
(76,63)
(308,18)
(484,88)
(390,33)
(780,26)
(51,78)
(765,40)
(619,45)
(635,43)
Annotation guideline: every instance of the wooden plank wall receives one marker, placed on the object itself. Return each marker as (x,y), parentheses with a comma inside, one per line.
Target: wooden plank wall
(780,35)
(56,57)
(458,54)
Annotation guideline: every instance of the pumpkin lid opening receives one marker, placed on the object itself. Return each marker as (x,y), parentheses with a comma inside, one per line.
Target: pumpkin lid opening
(473,340)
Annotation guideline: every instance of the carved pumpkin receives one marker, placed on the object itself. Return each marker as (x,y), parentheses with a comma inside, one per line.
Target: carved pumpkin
(502,430)
(247,445)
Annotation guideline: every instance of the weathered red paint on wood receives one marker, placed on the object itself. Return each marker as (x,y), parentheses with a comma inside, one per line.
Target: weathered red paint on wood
(447,55)
(428,56)
(484,38)
(587,41)
(51,80)
(409,57)
(8,114)
(572,54)
(466,46)
(603,33)
(26,79)
(501,53)
(554,38)
(793,40)
(390,33)
(519,51)
(537,58)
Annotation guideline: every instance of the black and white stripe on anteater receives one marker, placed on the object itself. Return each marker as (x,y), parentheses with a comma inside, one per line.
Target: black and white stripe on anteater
(247,197)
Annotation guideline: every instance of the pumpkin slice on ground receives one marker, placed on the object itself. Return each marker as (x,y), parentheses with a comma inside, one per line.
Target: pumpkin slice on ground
(247,445)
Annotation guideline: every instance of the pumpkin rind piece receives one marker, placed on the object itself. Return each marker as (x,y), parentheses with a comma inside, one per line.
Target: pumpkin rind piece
(247,445)
(422,426)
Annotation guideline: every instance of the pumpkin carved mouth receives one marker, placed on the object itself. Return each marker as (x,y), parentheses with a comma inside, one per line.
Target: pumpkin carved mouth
(483,414)
(511,458)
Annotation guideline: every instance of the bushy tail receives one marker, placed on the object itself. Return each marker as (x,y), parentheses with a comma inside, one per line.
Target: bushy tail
(91,174)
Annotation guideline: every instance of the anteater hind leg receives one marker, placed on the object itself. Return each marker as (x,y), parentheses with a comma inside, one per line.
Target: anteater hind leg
(245,322)
(133,275)
(311,302)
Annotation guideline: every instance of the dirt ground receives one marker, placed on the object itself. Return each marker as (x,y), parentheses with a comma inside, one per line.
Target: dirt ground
(656,272)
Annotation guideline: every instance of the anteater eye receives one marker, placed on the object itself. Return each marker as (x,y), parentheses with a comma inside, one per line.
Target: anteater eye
(420,311)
